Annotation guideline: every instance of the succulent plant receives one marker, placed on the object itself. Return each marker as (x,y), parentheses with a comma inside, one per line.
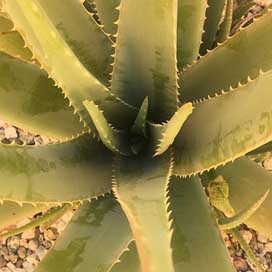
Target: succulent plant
(153,108)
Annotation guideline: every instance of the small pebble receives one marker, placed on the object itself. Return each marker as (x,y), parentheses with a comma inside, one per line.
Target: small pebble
(28,267)
(13,257)
(22,252)
(29,234)
(240,264)
(11,133)
(19,263)
(2,261)
(262,238)
(268,247)
(11,266)
(41,252)
(13,242)
(247,235)
(32,259)
(33,244)
(51,234)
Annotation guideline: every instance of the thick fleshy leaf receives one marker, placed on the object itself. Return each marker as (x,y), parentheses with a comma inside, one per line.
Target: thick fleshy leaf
(213,17)
(112,138)
(71,171)
(48,216)
(12,213)
(96,236)
(141,188)
(29,100)
(227,223)
(78,61)
(6,25)
(249,252)
(164,135)
(191,17)
(225,27)
(129,260)
(108,14)
(196,235)
(12,44)
(139,126)
(145,58)
(240,56)
(225,127)
(247,183)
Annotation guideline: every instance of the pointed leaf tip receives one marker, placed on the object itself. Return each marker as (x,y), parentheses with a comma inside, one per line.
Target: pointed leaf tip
(166,134)
(244,215)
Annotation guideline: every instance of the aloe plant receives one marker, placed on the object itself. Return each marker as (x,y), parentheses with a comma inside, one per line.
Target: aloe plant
(152,122)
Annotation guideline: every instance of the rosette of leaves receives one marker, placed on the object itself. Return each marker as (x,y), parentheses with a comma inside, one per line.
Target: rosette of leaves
(153,109)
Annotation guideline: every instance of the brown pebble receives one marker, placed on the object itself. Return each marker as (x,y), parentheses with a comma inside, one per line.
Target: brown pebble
(13,258)
(21,252)
(33,244)
(247,235)
(19,263)
(47,244)
(29,234)
(2,262)
(51,234)
(240,264)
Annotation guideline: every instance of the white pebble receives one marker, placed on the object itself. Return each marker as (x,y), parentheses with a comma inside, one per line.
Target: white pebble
(10,132)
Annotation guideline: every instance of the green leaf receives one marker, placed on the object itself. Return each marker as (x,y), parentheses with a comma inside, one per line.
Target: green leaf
(225,27)
(40,106)
(247,182)
(197,242)
(225,127)
(12,44)
(140,184)
(12,212)
(191,17)
(56,173)
(94,239)
(112,138)
(78,61)
(164,135)
(250,254)
(139,126)
(240,56)
(51,214)
(108,14)
(129,260)
(227,223)
(145,58)
(213,17)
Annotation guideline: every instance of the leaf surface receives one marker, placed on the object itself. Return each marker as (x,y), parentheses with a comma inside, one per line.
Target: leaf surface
(56,173)
(12,213)
(141,188)
(191,17)
(240,56)
(40,106)
(213,17)
(108,14)
(78,61)
(145,58)
(196,234)
(247,183)
(95,237)
(225,127)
